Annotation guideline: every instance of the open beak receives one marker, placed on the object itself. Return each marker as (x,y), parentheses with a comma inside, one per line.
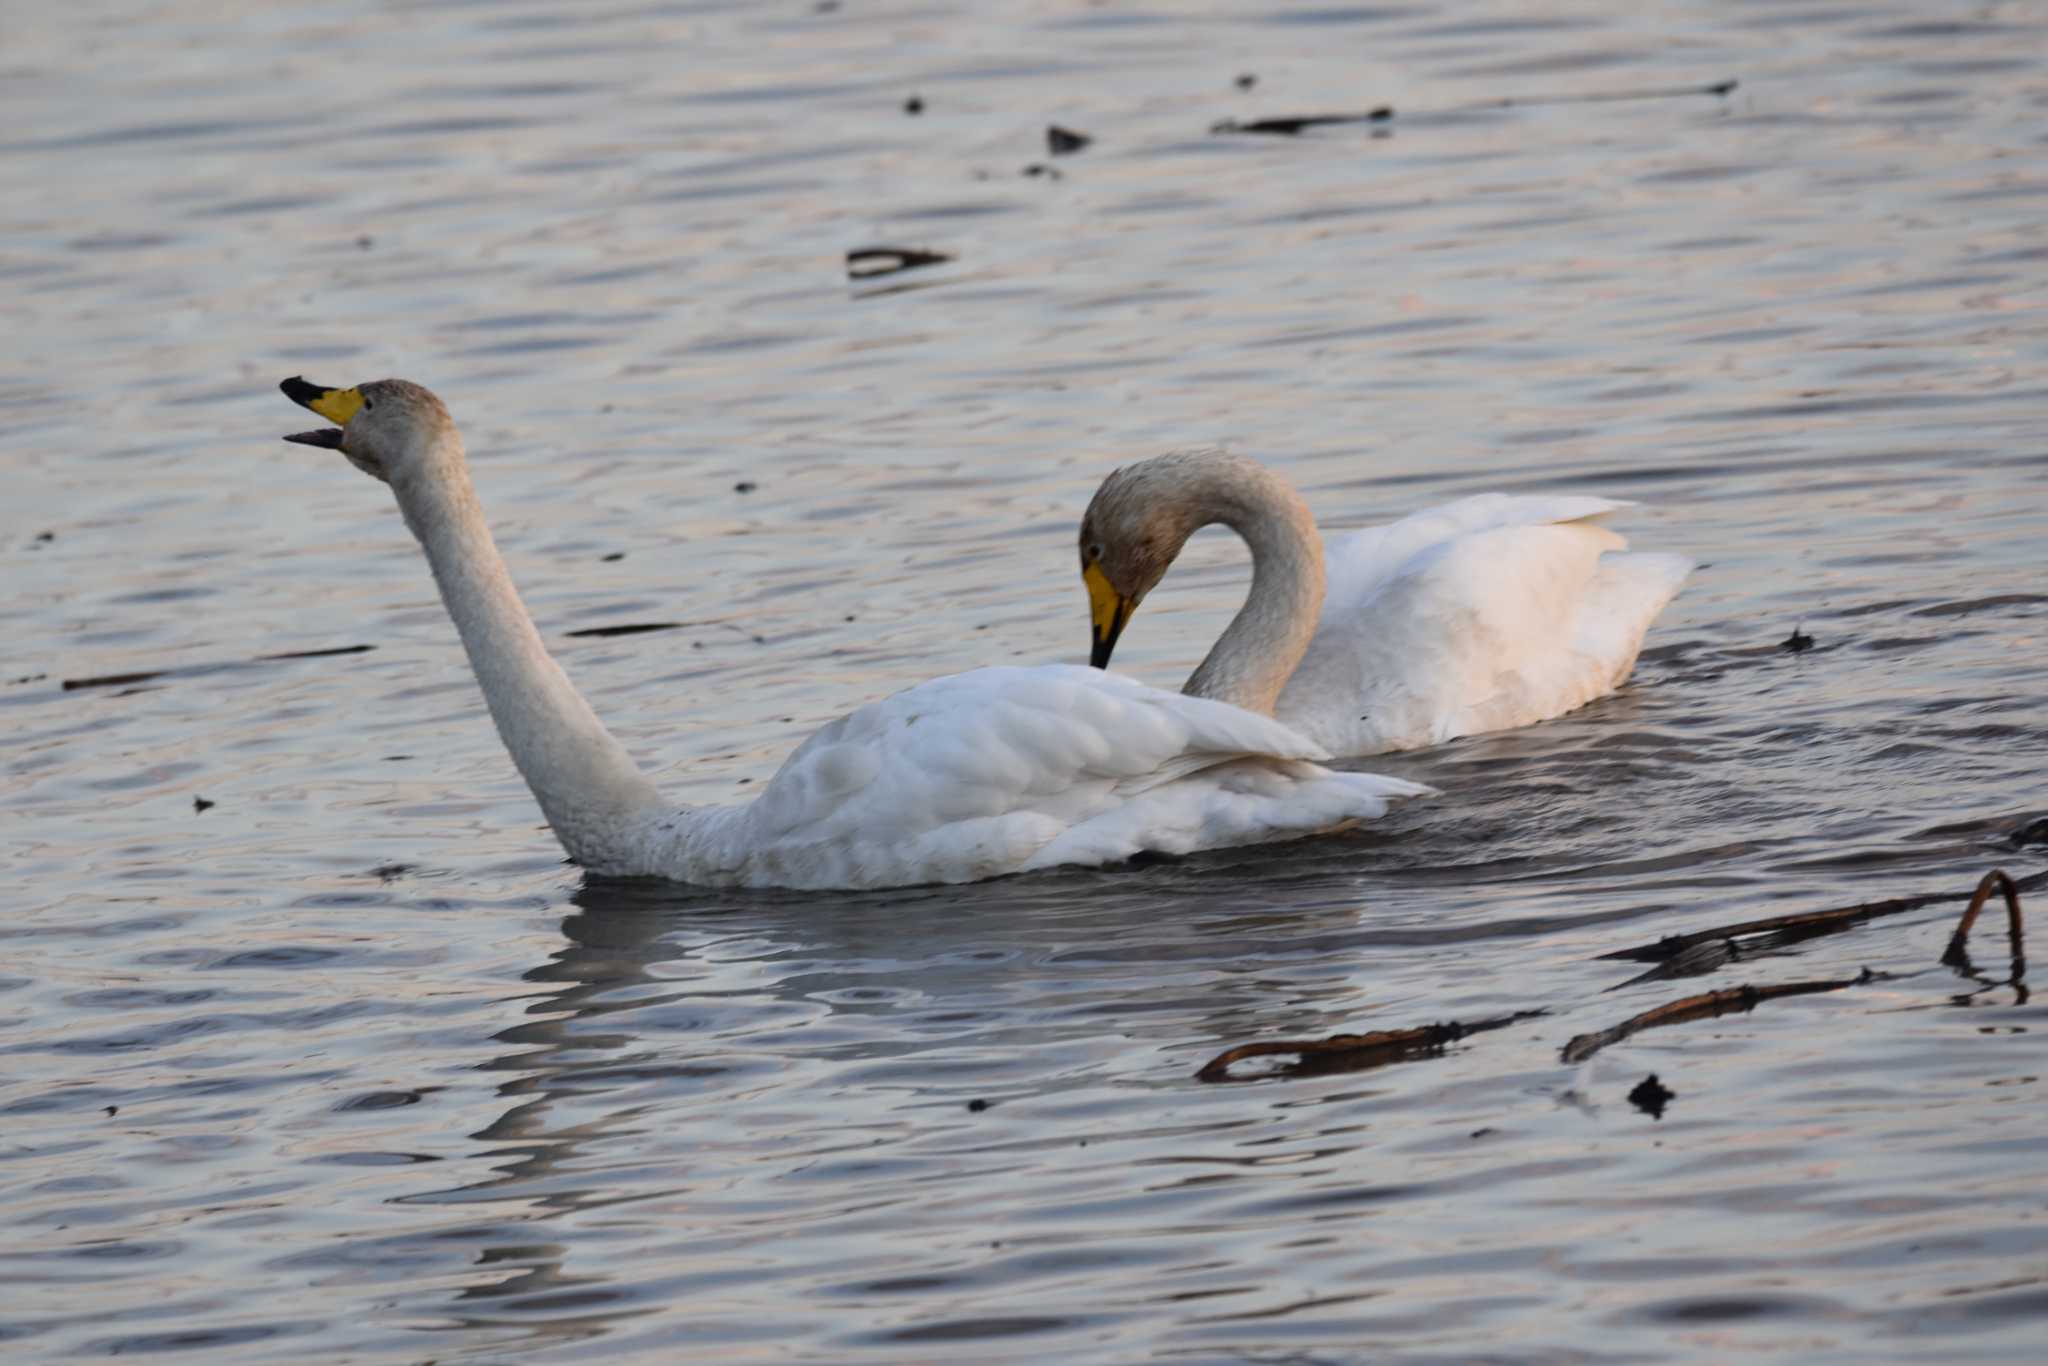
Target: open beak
(1110,611)
(336,405)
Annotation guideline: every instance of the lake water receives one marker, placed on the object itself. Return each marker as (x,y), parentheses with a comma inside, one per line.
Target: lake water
(348,1066)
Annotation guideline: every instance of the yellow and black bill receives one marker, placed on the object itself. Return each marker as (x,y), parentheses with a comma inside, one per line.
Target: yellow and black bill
(1110,612)
(336,405)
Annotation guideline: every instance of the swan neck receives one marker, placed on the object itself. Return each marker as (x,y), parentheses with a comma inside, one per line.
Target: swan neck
(588,786)
(1260,649)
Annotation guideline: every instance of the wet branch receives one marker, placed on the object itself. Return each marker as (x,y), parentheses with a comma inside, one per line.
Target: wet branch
(1703,951)
(1355,1052)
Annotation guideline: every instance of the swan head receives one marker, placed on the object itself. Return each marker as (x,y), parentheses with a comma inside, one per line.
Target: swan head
(1134,528)
(385,427)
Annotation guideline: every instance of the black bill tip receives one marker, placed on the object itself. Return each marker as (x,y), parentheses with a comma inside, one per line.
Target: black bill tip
(327,438)
(300,392)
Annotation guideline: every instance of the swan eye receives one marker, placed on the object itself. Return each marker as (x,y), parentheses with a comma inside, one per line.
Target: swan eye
(1095,550)
(367,405)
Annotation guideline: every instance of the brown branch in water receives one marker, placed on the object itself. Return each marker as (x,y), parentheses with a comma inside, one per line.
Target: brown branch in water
(1356,1052)
(1957,954)
(1684,955)
(1704,1006)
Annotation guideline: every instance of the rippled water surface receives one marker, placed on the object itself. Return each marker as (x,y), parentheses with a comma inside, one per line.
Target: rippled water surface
(347,1065)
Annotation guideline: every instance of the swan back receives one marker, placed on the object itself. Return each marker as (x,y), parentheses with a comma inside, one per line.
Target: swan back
(1488,613)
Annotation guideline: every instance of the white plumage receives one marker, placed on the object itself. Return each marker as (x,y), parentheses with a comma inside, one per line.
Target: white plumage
(973,776)
(1487,613)
(1008,770)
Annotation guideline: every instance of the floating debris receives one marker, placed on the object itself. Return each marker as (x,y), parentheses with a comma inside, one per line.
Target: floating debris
(1356,1052)
(976,1106)
(202,804)
(614,557)
(1798,642)
(1065,141)
(745,486)
(1039,168)
(638,628)
(1292,126)
(1651,1096)
(1247,80)
(864,263)
(914,105)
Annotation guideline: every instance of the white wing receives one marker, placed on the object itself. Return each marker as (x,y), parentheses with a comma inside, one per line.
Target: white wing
(1006,770)
(1487,613)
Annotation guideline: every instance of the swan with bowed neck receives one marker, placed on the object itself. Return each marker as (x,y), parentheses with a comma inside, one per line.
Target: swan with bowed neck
(973,776)
(1488,613)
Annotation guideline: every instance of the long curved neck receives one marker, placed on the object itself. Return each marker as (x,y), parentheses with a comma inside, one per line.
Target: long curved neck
(587,785)
(1260,649)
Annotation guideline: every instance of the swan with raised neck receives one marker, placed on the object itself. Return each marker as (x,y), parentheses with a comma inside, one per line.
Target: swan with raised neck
(971,776)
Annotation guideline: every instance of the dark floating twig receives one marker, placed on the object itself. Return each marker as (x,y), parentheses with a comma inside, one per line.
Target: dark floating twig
(1292,126)
(864,263)
(319,654)
(1705,1006)
(1064,141)
(1957,954)
(1798,642)
(1677,92)
(1356,1052)
(637,628)
(145,675)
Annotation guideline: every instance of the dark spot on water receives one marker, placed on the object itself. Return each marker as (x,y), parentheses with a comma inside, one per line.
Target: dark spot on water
(1039,168)
(382,1100)
(1247,80)
(44,538)
(825,7)
(976,1106)
(201,804)
(1798,642)
(37,678)
(365,242)
(113,1109)
(1651,1096)
(396,758)
(745,781)
(1481,1132)
(745,486)
(391,872)
(614,557)
(914,105)
(1064,141)
(849,617)
(864,263)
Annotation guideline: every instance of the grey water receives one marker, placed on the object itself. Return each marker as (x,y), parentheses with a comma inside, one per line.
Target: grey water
(312,1048)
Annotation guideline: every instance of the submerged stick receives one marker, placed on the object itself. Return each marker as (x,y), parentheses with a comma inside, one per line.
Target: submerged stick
(1957,954)
(1705,1006)
(1799,924)
(1356,1052)
(1292,125)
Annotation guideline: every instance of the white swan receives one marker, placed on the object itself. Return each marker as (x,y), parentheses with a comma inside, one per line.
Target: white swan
(1487,613)
(973,776)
